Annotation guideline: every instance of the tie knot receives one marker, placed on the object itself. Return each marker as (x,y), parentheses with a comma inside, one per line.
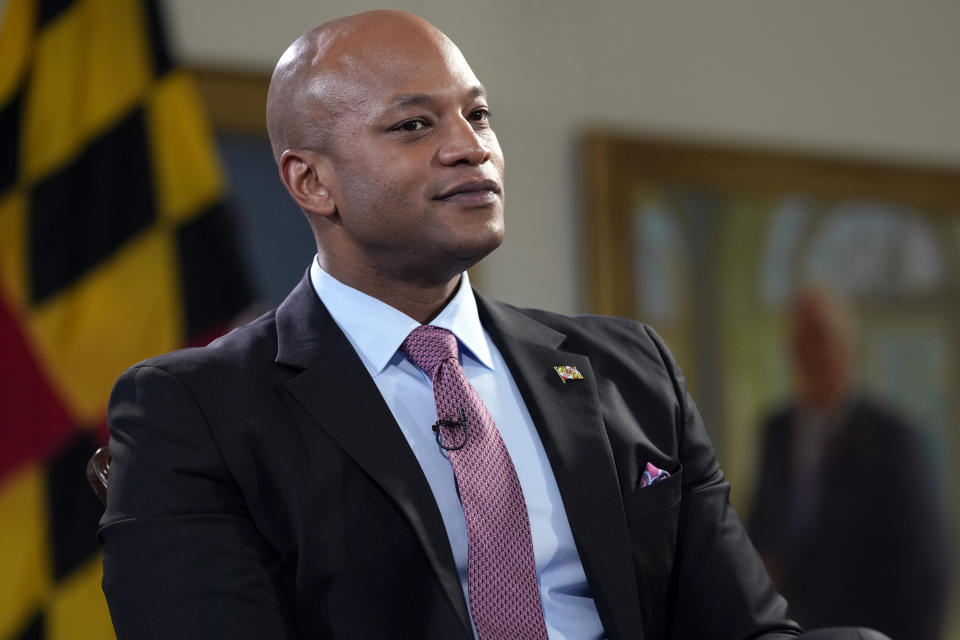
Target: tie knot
(428,346)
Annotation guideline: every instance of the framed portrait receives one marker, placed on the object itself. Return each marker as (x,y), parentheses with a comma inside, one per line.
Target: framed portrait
(707,243)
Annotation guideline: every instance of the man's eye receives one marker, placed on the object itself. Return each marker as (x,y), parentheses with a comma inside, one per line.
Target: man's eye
(411,125)
(480,115)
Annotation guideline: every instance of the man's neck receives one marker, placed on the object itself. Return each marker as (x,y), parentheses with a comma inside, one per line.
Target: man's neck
(422,301)
(826,401)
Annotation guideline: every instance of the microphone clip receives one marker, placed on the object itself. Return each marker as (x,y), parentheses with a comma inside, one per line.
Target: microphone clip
(450,424)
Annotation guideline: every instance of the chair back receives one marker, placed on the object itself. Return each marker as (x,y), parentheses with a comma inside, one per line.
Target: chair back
(98,469)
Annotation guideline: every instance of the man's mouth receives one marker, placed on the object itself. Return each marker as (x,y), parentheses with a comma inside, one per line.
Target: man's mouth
(471,193)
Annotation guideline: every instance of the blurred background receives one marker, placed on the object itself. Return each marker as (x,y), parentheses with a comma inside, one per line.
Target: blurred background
(691,164)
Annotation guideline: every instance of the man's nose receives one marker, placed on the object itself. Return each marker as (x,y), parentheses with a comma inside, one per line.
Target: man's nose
(463,144)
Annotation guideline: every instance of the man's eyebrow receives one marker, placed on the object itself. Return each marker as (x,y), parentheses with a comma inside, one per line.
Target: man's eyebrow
(417,99)
(410,100)
(477,91)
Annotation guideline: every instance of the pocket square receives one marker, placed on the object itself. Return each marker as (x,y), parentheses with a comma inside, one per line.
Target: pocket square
(652,475)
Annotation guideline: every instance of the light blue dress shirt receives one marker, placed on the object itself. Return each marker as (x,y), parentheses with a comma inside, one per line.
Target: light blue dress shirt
(376,331)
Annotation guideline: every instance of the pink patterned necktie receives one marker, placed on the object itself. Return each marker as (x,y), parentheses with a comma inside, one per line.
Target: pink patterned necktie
(501,573)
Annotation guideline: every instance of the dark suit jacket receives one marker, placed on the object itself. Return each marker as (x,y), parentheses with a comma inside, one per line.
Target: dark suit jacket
(875,552)
(260,488)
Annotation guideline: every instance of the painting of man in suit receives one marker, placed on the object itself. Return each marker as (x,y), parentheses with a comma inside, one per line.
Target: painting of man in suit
(846,514)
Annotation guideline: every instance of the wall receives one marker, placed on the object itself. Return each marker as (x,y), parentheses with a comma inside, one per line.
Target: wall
(864,77)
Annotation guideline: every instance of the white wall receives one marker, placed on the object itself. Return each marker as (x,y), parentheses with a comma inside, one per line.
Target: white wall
(871,77)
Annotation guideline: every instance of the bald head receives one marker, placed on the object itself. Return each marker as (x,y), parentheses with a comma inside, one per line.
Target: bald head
(323,73)
(382,136)
(822,337)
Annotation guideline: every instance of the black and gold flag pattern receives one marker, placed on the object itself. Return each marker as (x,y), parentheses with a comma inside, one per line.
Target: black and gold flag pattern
(115,245)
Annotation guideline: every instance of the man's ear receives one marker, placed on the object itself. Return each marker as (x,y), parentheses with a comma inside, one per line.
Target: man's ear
(307,176)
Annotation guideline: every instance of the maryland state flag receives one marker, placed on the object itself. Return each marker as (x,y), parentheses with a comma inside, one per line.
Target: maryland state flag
(115,245)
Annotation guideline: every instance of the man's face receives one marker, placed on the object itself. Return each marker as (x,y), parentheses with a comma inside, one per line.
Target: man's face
(821,352)
(418,170)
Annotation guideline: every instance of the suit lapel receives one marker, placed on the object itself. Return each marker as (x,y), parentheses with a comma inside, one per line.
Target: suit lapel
(337,391)
(567,417)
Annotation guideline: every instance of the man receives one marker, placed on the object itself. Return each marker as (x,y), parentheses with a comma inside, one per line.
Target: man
(846,513)
(284,482)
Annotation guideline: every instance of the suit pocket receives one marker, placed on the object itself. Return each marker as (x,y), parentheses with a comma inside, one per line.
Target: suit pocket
(652,518)
(659,496)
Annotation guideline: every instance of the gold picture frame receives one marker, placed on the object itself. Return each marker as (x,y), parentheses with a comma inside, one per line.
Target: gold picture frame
(725,334)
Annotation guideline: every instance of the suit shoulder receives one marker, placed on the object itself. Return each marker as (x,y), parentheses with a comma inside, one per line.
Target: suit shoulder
(779,417)
(776,429)
(874,419)
(607,338)
(252,342)
(600,327)
(876,410)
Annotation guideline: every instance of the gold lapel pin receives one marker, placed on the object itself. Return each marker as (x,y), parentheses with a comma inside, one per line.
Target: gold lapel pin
(568,372)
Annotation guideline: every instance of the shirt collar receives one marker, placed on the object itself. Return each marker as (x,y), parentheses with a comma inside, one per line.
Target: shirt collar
(376,330)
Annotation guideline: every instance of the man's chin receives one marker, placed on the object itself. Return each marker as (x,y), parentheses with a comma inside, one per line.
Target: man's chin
(479,248)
